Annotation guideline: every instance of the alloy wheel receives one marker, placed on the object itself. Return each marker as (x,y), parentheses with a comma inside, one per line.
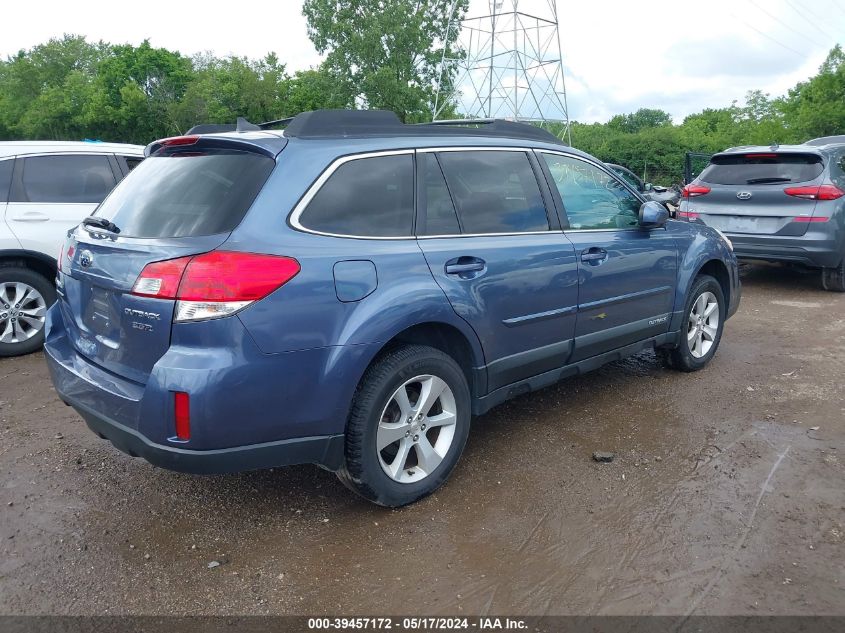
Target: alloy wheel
(416,428)
(703,324)
(23,311)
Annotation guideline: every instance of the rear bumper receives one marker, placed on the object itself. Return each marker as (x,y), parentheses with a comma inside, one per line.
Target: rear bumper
(325,451)
(253,411)
(818,251)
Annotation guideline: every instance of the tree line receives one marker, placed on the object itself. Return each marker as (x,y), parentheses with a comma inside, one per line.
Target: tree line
(375,55)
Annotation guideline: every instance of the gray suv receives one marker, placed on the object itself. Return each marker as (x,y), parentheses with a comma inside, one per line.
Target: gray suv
(780,203)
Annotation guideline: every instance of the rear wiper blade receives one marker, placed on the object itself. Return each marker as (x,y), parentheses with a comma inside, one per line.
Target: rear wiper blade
(101,223)
(759,181)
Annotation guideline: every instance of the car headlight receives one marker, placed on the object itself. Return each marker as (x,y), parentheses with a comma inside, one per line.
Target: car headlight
(725,238)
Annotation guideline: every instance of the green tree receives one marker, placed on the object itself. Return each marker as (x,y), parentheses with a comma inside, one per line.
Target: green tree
(816,107)
(640,120)
(384,55)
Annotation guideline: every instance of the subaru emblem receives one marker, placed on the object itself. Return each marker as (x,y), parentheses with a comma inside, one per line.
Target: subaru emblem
(744,195)
(86,258)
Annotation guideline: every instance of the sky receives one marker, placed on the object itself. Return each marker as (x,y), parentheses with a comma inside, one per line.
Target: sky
(618,55)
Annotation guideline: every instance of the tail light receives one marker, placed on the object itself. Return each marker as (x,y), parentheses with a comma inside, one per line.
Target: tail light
(214,284)
(815,192)
(693,191)
(811,218)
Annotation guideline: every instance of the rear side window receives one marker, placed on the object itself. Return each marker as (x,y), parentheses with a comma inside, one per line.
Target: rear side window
(132,162)
(5,177)
(187,194)
(762,169)
(494,191)
(367,197)
(837,171)
(80,179)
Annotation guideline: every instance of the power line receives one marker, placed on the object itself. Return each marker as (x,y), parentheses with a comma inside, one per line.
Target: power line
(781,22)
(766,35)
(808,21)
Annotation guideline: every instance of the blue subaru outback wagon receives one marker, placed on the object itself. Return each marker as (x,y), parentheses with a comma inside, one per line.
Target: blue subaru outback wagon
(350,291)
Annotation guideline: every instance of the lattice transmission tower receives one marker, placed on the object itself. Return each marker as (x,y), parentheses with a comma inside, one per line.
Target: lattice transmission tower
(510,66)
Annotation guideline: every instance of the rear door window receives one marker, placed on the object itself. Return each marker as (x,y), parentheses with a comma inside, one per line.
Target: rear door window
(365,197)
(837,171)
(494,191)
(68,179)
(5,177)
(187,193)
(762,169)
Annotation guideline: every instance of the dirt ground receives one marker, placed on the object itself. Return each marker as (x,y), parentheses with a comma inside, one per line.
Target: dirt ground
(726,497)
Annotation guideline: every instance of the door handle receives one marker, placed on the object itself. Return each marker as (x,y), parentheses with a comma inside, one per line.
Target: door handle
(31,216)
(594,255)
(464,265)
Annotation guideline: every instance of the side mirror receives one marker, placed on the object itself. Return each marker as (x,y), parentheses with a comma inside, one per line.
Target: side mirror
(647,187)
(653,215)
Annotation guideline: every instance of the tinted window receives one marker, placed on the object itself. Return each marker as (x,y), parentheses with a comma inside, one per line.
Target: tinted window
(5,177)
(495,192)
(187,194)
(762,169)
(66,179)
(592,198)
(132,162)
(837,171)
(440,217)
(372,197)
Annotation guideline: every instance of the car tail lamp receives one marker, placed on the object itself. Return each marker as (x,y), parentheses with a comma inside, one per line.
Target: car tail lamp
(815,192)
(693,191)
(214,284)
(182,415)
(689,215)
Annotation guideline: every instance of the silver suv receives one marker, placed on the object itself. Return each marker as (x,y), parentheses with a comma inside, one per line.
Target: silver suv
(780,203)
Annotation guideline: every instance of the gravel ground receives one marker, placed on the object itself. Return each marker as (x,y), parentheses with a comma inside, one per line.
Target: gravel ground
(725,497)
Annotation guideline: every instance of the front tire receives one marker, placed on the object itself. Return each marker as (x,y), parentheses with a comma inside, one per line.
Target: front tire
(408,426)
(833,279)
(702,328)
(24,298)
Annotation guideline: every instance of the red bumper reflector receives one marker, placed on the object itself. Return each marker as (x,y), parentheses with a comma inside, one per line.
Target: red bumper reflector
(690,215)
(182,410)
(807,218)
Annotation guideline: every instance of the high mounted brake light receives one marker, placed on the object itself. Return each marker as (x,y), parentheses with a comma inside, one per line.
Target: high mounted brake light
(214,284)
(178,140)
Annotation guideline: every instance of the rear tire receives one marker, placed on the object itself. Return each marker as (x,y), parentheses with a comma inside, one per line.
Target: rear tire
(24,298)
(701,331)
(408,426)
(833,279)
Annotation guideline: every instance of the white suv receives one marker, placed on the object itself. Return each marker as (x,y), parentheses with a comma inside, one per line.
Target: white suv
(46,188)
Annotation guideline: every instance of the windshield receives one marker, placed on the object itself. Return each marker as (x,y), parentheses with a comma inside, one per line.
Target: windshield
(186,193)
(762,169)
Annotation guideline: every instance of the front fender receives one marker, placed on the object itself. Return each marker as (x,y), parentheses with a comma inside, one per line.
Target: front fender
(700,246)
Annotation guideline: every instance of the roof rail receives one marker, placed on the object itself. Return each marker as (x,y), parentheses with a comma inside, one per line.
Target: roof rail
(324,124)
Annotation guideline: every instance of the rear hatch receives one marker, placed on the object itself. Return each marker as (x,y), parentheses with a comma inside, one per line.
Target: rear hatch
(757,193)
(185,199)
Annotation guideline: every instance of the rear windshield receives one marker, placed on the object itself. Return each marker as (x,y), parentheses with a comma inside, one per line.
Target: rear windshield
(762,169)
(187,194)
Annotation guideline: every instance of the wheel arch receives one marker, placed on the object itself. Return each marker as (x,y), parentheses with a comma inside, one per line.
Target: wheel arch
(717,269)
(43,264)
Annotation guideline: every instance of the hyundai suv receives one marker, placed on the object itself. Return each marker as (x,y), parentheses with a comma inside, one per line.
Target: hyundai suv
(46,188)
(350,291)
(779,203)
